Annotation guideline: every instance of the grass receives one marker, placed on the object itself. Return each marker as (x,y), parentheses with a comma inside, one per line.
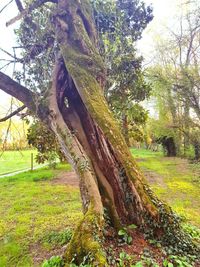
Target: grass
(174,180)
(32,208)
(12,161)
(37,215)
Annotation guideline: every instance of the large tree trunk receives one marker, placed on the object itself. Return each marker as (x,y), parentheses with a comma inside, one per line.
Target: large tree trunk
(78,81)
(90,138)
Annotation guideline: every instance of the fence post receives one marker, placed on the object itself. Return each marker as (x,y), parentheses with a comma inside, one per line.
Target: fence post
(31,161)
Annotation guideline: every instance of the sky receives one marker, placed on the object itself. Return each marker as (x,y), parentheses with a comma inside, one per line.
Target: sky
(7,41)
(164,12)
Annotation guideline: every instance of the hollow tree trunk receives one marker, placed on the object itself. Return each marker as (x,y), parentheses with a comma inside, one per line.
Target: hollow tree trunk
(91,140)
(78,81)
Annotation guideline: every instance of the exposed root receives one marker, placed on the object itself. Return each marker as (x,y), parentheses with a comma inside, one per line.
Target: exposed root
(85,246)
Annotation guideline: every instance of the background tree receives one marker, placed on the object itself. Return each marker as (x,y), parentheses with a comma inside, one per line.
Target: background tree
(177,72)
(120,25)
(41,138)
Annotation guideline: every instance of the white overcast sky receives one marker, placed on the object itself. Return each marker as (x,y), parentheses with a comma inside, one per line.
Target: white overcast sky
(164,12)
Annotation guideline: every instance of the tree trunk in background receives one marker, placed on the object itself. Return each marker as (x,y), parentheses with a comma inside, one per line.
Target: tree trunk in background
(169,146)
(196,150)
(125,130)
(186,135)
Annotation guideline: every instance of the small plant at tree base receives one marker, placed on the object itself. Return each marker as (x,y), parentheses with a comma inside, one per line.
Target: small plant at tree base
(193,231)
(52,159)
(123,259)
(54,261)
(124,235)
(178,261)
(58,238)
(86,262)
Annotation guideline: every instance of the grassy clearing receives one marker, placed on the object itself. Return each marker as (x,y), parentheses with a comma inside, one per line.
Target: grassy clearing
(174,180)
(12,161)
(35,212)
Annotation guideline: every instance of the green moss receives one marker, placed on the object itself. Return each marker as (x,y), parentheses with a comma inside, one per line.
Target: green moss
(85,242)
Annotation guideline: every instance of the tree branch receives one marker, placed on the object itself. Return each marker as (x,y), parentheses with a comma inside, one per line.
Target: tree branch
(26,11)
(19,5)
(10,55)
(13,113)
(18,91)
(6,5)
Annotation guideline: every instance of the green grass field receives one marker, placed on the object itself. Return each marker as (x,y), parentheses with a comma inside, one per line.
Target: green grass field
(12,161)
(37,209)
(34,210)
(174,180)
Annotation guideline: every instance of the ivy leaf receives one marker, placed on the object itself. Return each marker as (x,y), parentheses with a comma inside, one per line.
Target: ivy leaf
(132,226)
(122,232)
(129,240)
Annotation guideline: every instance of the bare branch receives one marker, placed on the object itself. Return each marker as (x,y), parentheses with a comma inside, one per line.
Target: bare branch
(28,10)
(10,55)
(13,113)
(6,65)
(6,6)
(18,91)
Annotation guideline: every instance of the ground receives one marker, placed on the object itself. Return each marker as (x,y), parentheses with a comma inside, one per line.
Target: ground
(175,181)
(36,211)
(40,209)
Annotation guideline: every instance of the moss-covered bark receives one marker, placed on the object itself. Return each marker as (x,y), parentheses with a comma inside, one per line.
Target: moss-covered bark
(85,66)
(85,245)
(90,137)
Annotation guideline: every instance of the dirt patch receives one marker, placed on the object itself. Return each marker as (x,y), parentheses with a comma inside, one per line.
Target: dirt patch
(153,178)
(66,178)
(39,254)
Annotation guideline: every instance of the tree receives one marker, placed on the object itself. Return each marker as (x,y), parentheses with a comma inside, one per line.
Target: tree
(120,25)
(167,128)
(176,70)
(75,109)
(40,137)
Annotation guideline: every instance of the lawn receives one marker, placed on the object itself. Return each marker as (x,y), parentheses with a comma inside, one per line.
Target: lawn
(11,161)
(35,215)
(39,210)
(174,180)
